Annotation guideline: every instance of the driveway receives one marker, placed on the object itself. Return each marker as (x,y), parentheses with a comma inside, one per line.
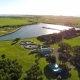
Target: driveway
(56,54)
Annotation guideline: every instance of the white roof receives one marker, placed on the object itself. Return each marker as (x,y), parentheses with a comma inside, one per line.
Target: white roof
(56,65)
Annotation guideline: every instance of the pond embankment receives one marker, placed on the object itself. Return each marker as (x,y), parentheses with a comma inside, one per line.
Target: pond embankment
(16,29)
(11,31)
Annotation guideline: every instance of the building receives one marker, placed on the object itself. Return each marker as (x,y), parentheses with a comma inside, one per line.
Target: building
(54,68)
(33,51)
(45,51)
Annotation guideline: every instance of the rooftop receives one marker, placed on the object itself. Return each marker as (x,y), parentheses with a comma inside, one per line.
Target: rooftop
(45,51)
(54,67)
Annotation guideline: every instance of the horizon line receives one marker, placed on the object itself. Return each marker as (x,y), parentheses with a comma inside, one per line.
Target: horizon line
(36,15)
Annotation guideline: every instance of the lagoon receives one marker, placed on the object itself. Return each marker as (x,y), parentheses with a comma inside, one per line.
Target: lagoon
(34,31)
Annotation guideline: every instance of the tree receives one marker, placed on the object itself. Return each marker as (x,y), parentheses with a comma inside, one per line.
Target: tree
(34,73)
(64,57)
(10,69)
(38,51)
(64,47)
(51,59)
(76,60)
(15,41)
(65,73)
(3,56)
(76,49)
(57,37)
(67,34)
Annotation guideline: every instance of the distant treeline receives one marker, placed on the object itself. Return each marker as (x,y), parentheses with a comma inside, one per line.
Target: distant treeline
(57,37)
(12,25)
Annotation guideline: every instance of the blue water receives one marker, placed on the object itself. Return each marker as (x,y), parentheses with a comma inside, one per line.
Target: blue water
(34,31)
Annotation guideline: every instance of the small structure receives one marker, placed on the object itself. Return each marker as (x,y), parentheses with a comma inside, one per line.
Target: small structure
(28,42)
(45,51)
(31,46)
(33,51)
(54,68)
(22,43)
(7,28)
(28,45)
(25,42)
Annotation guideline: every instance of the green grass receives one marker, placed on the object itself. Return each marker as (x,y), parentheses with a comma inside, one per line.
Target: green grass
(12,21)
(60,20)
(17,52)
(74,75)
(22,55)
(33,40)
(74,41)
(55,46)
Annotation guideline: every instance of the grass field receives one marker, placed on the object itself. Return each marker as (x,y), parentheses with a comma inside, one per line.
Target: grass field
(74,41)
(22,55)
(62,20)
(12,21)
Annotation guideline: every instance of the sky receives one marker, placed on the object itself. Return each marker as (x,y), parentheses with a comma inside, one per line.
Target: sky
(40,7)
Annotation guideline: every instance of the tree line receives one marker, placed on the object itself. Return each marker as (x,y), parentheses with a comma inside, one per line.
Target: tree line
(57,37)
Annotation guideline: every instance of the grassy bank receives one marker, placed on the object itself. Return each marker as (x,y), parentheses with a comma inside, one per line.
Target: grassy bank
(22,55)
(3,32)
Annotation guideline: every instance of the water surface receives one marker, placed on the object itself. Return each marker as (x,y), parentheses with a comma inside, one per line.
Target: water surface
(34,31)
